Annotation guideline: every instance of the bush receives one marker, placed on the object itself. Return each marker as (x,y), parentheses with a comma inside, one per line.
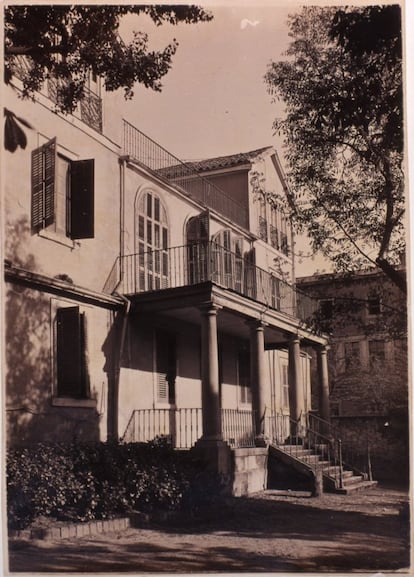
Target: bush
(82,482)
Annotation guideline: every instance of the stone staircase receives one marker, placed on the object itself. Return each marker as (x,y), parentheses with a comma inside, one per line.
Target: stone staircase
(335,478)
(320,457)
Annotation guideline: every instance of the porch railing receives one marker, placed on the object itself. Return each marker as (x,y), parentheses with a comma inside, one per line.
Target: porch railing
(183,427)
(140,147)
(197,263)
(238,427)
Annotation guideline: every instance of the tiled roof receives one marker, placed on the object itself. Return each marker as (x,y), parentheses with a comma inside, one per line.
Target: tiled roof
(226,161)
(191,168)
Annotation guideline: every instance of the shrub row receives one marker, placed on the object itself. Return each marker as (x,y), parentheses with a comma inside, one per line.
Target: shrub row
(81,482)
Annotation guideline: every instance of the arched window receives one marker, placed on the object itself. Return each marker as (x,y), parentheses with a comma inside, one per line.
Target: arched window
(197,238)
(151,243)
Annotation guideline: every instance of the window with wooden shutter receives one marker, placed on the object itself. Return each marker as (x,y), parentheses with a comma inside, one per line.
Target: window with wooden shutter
(43,185)
(62,193)
(71,362)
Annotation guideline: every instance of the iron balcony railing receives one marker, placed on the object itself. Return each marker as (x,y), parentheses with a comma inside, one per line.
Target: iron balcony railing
(140,147)
(183,427)
(197,263)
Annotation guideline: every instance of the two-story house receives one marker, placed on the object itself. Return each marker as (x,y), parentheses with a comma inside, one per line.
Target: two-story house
(147,297)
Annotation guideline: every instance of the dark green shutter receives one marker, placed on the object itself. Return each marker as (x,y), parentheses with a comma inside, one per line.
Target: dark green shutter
(82,202)
(69,353)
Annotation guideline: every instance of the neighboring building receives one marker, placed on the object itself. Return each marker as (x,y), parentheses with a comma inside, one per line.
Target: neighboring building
(366,316)
(145,296)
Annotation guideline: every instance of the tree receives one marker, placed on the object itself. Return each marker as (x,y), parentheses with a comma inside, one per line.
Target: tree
(70,43)
(343,133)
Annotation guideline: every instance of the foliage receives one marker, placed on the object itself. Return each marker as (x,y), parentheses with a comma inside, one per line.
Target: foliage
(72,42)
(343,133)
(82,482)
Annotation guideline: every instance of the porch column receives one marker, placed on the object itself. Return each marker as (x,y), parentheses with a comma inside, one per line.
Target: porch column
(322,362)
(296,401)
(210,375)
(258,381)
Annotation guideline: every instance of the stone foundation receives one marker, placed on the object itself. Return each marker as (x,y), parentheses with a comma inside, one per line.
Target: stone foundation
(249,470)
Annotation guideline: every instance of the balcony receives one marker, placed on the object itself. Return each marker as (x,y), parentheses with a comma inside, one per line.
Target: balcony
(150,154)
(89,109)
(188,265)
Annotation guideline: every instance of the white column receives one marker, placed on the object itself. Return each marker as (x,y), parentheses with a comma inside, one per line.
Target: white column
(258,379)
(212,430)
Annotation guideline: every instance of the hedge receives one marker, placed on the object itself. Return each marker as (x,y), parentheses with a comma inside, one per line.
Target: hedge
(80,482)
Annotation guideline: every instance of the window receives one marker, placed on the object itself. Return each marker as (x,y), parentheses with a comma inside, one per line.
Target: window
(89,109)
(275,293)
(197,238)
(352,353)
(374,305)
(285,384)
(326,309)
(166,362)
(376,350)
(62,193)
(274,227)
(152,243)
(243,376)
(262,219)
(72,378)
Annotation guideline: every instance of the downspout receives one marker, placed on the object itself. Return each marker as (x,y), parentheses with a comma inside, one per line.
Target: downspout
(115,396)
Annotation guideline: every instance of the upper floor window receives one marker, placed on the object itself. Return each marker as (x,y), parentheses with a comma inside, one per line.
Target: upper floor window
(376,350)
(227,260)
(374,305)
(352,353)
(62,193)
(274,226)
(89,109)
(152,243)
(326,309)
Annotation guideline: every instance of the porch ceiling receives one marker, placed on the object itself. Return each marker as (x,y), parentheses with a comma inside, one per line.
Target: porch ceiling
(183,304)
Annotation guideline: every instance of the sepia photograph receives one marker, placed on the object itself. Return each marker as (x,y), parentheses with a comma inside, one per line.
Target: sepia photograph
(206,274)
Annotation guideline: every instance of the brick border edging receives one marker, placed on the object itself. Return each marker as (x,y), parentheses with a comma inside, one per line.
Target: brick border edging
(73,530)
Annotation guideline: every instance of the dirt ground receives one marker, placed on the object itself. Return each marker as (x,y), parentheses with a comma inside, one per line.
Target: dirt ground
(267,532)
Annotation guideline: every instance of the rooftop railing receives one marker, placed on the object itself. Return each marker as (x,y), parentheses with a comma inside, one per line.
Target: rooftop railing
(197,263)
(143,149)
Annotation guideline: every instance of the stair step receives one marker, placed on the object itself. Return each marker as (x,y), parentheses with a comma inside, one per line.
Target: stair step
(356,487)
(352,480)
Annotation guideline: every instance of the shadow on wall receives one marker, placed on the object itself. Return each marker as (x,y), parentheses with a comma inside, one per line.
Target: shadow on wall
(28,341)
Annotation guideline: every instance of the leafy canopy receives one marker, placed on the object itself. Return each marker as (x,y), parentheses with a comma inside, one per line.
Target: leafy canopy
(71,42)
(341,84)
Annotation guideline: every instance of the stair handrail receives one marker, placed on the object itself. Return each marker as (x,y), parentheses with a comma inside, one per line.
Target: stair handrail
(333,433)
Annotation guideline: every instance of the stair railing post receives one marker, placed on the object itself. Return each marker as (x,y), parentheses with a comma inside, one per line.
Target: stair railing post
(369,462)
(341,480)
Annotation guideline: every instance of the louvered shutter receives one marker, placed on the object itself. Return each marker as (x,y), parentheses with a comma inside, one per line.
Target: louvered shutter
(82,193)
(166,367)
(43,185)
(69,353)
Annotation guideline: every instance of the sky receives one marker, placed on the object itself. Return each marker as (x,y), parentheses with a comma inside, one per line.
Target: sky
(214,100)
